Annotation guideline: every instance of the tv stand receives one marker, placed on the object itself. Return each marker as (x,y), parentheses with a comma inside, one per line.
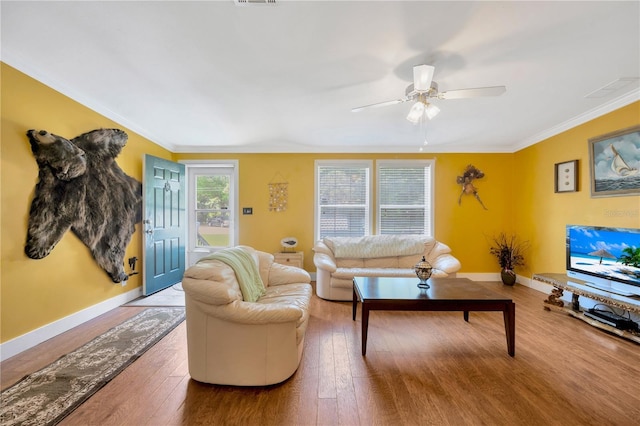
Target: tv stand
(605,288)
(561,282)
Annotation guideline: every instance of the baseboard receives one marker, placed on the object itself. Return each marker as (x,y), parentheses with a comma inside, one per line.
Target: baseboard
(39,335)
(535,284)
(479,276)
(527,282)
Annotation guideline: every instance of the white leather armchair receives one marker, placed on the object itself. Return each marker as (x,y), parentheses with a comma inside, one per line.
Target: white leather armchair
(234,342)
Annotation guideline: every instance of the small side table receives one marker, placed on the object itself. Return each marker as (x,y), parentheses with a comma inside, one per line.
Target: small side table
(293,258)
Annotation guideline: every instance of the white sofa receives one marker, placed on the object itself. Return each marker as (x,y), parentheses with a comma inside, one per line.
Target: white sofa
(233,342)
(339,259)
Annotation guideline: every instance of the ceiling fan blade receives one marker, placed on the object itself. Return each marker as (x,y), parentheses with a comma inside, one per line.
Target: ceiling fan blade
(422,76)
(380,104)
(473,93)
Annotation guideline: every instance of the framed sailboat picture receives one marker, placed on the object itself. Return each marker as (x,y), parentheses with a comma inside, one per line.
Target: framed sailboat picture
(615,163)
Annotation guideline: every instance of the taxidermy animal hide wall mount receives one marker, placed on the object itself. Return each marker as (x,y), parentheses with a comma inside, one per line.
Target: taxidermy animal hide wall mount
(81,187)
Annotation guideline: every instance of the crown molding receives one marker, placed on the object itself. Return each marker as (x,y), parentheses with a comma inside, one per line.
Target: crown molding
(615,104)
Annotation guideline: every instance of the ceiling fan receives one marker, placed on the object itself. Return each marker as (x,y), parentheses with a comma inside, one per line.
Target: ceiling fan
(424,88)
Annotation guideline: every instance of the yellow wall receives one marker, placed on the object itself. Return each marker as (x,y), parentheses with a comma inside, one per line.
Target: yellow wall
(541,214)
(517,190)
(463,227)
(37,292)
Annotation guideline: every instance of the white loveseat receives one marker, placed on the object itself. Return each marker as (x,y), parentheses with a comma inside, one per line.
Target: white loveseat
(233,342)
(339,259)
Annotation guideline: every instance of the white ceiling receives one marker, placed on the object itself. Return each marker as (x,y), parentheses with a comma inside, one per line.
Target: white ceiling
(219,77)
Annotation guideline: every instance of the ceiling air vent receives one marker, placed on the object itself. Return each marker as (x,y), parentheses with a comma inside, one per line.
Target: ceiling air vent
(253,2)
(613,87)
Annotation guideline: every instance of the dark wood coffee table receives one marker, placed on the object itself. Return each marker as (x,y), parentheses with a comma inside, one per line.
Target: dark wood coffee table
(445,294)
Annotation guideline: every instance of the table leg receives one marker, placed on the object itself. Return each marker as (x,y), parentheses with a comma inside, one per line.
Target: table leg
(510,327)
(466,316)
(575,302)
(365,327)
(355,302)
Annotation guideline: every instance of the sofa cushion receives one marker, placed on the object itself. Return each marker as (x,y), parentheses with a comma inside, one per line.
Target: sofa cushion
(409,261)
(298,295)
(373,246)
(346,262)
(381,262)
(349,273)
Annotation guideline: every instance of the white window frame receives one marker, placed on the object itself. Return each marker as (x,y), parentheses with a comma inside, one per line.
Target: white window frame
(197,167)
(346,164)
(429,196)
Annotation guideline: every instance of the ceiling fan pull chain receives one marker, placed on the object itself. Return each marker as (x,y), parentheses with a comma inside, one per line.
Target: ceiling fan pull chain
(424,125)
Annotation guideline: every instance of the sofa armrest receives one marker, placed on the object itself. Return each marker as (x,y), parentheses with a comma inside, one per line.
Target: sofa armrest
(241,312)
(446,263)
(285,274)
(324,261)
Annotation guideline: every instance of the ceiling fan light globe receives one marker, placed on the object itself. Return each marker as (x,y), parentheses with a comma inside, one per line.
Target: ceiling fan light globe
(415,113)
(431,111)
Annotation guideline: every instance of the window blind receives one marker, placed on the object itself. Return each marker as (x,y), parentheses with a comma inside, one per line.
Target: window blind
(404,198)
(343,200)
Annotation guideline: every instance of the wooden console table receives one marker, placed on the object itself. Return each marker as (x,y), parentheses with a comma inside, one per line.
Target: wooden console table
(578,288)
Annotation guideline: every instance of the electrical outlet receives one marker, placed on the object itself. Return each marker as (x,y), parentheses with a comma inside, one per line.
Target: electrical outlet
(247,210)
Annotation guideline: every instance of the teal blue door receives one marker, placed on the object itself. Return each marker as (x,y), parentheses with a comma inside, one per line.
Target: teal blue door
(164,224)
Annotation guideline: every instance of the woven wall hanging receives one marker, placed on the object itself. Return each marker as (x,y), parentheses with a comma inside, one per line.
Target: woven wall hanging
(278,194)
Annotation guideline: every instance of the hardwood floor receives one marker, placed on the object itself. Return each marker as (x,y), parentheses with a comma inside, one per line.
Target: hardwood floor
(421,368)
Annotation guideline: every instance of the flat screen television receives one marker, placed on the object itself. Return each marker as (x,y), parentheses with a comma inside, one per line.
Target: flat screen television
(605,258)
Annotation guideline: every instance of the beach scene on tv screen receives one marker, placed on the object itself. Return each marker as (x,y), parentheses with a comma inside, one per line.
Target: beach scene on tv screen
(606,252)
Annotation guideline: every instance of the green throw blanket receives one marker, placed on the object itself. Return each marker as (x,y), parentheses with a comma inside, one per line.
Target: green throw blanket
(247,273)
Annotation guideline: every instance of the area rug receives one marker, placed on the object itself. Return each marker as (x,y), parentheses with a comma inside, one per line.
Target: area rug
(49,395)
(172,296)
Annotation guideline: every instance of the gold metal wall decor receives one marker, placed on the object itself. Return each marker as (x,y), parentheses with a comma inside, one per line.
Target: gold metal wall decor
(278,195)
(466,181)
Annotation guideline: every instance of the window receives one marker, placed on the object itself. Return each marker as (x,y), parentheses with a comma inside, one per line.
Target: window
(404,197)
(212,205)
(403,192)
(342,198)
